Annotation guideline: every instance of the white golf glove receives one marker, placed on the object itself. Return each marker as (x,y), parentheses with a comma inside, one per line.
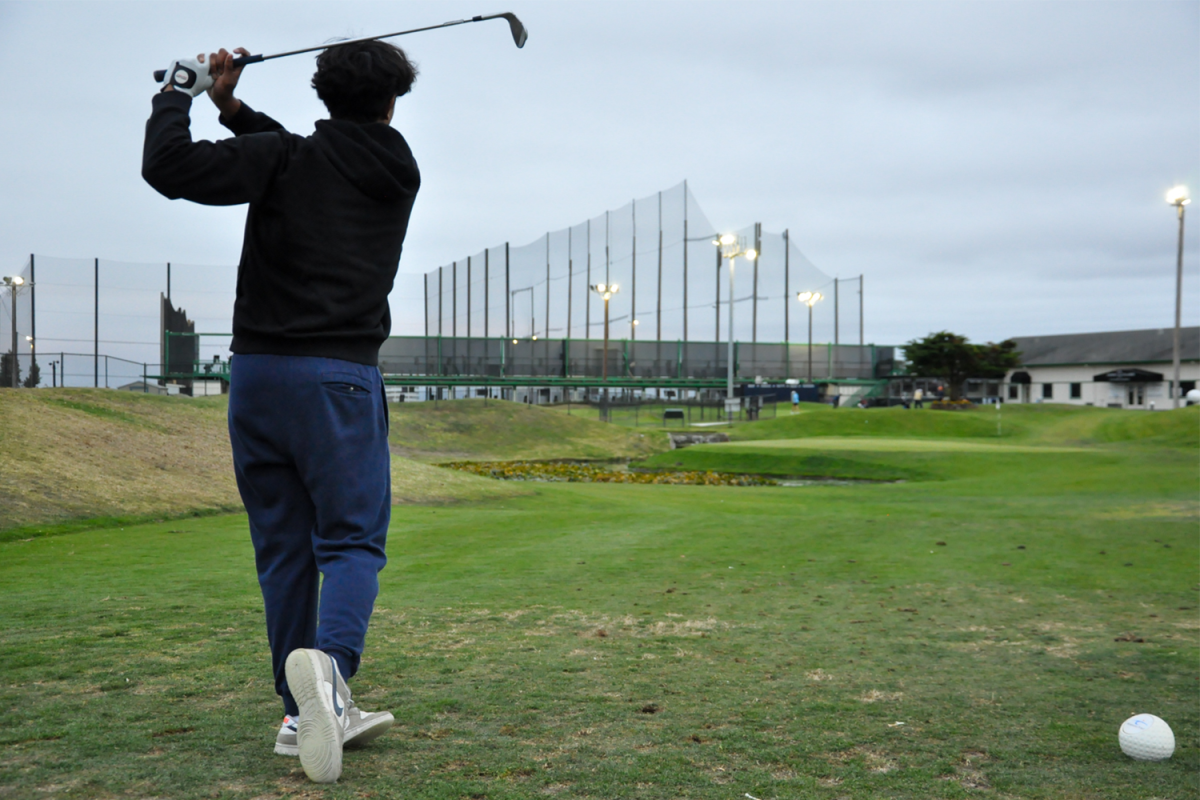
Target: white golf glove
(187,75)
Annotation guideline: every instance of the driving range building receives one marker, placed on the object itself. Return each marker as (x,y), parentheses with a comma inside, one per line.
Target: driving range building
(1116,369)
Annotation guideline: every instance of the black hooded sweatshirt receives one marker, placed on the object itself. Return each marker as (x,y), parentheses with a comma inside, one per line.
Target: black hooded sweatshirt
(324,231)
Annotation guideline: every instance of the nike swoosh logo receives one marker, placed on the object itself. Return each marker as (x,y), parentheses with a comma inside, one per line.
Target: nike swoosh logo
(337,706)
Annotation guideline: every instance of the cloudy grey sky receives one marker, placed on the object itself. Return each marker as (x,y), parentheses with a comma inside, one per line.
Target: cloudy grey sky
(993,168)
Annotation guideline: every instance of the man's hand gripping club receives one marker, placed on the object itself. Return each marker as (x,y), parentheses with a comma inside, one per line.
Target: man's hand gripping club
(218,77)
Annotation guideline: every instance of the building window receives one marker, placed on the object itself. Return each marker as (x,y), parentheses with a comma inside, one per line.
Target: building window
(1076,391)
(1014,391)
(1047,391)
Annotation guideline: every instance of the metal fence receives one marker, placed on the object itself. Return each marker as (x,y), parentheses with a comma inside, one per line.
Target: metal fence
(433,356)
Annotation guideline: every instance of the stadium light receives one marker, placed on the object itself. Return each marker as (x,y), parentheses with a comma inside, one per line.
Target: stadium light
(810,299)
(732,246)
(1178,197)
(606,291)
(12,283)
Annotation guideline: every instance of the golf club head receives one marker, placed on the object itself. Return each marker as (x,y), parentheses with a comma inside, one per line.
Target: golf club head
(519,33)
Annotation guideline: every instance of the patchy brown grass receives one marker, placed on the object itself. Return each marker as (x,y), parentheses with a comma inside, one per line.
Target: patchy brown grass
(75,454)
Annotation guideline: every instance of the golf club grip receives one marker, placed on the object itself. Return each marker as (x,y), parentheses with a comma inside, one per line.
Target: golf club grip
(240,61)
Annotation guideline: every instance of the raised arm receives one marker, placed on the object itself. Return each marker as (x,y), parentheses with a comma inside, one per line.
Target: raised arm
(235,115)
(227,172)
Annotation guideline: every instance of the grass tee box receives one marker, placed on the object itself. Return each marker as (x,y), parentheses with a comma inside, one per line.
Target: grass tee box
(980,631)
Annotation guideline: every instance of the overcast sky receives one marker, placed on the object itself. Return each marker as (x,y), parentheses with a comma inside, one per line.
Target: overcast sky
(993,168)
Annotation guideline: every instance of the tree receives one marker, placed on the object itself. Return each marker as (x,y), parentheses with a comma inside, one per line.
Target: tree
(6,368)
(995,360)
(951,357)
(34,377)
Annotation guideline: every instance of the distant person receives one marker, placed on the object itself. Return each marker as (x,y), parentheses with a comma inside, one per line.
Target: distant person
(795,401)
(308,424)
(919,398)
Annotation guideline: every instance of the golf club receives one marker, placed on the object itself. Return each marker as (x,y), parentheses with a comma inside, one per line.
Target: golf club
(519,35)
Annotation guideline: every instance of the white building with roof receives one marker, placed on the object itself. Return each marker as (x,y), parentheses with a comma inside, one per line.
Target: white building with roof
(1117,369)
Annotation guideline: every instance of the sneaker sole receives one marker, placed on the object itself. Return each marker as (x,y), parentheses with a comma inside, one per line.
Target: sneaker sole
(318,742)
(287,750)
(357,737)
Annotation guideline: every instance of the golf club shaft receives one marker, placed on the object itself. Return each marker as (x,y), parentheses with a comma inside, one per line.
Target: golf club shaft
(518,31)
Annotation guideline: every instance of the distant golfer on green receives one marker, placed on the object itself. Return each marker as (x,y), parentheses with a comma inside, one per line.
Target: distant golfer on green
(307,414)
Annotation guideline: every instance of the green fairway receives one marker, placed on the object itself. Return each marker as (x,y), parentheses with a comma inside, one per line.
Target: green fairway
(1009,606)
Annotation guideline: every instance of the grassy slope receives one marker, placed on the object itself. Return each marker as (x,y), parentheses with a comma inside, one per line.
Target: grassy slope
(778,633)
(1036,433)
(70,455)
(496,430)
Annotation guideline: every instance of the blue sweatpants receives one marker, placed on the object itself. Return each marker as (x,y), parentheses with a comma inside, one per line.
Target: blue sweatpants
(310,452)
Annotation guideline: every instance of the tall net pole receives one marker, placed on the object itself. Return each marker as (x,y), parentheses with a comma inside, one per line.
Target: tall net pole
(468,298)
(787,292)
(685,255)
(861,340)
(33,314)
(717,323)
(507,290)
(547,331)
(96,327)
(454,299)
(754,302)
(441,270)
(487,293)
(836,306)
(587,295)
(607,256)
(570,281)
(633,277)
(658,307)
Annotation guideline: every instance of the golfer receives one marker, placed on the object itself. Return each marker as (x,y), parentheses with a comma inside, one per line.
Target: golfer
(307,413)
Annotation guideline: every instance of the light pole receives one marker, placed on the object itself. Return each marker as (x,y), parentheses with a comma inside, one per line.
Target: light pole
(1179,198)
(732,246)
(13,284)
(810,299)
(605,290)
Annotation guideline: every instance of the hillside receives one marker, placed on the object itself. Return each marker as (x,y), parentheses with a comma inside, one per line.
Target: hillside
(495,430)
(68,455)
(1049,424)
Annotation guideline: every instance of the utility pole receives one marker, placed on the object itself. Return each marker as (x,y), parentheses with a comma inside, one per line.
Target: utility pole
(1179,198)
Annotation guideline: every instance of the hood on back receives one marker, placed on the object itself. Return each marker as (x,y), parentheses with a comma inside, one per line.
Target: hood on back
(373,157)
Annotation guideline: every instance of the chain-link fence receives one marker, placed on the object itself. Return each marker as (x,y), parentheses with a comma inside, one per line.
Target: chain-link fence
(66,307)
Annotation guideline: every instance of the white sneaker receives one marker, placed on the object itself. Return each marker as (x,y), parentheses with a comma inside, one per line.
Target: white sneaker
(285,742)
(322,695)
(361,727)
(364,726)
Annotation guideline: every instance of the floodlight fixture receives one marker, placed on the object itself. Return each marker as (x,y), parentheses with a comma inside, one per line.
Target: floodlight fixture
(810,298)
(727,239)
(751,254)
(1178,196)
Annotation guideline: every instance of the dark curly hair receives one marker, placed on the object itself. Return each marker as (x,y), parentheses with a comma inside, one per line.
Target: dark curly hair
(358,81)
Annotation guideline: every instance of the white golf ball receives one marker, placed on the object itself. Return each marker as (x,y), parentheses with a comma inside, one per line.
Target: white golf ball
(1145,737)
